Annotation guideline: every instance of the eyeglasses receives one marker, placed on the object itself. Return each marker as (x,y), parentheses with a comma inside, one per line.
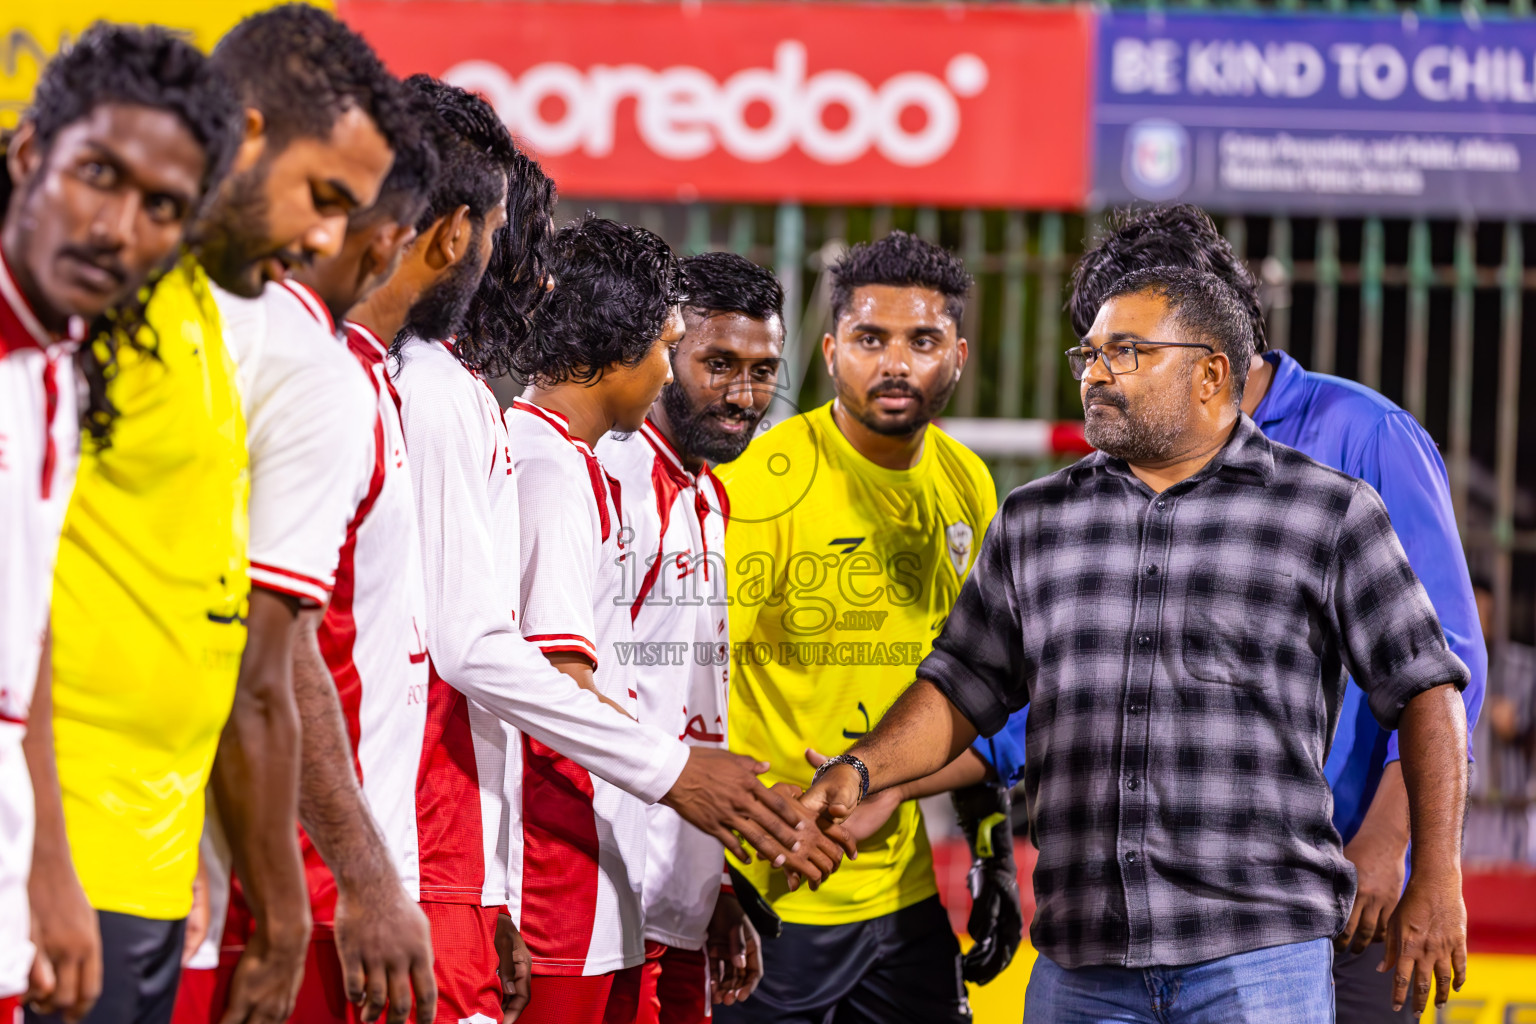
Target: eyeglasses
(1119,356)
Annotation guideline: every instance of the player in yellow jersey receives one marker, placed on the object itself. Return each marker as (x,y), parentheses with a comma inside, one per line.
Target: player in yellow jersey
(851,529)
(149,624)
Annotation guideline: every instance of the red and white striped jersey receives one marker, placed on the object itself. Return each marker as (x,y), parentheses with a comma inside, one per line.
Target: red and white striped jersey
(489,686)
(583,838)
(677,602)
(39,449)
(373,641)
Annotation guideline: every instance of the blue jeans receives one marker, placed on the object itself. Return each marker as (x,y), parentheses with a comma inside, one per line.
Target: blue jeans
(1292,984)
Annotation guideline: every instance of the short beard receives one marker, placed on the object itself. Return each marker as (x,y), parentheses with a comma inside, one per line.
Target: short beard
(235,226)
(923,413)
(439,313)
(693,433)
(1148,432)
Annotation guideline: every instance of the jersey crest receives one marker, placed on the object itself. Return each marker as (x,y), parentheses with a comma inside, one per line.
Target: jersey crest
(959,537)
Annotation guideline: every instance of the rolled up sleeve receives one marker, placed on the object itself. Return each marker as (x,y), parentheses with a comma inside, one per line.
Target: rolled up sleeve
(1389,636)
(978,660)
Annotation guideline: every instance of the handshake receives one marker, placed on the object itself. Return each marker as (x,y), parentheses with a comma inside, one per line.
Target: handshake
(806,832)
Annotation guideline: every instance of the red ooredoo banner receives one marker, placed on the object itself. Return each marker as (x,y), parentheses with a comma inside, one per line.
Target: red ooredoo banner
(823,102)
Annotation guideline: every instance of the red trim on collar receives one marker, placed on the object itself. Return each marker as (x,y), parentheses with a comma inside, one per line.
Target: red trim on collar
(554,419)
(20,326)
(311,301)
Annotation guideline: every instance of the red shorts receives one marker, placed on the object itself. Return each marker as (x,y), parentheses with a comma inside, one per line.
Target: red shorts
(10,1009)
(601,999)
(464,961)
(200,996)
(674,986)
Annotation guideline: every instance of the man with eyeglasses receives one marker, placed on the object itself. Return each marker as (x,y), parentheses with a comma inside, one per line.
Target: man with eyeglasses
(1351,428)
(1179,611)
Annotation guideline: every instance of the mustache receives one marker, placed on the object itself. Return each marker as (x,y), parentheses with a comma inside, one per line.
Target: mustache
(102,259)
(1100,394)
(726,411)
(895,387)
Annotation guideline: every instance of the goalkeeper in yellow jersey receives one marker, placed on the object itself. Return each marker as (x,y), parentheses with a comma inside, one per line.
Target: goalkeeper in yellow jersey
(851,529)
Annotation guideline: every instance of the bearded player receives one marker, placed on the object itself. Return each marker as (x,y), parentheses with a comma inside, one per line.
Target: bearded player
(698,944)
(373,661)
(852,528)
(309,418)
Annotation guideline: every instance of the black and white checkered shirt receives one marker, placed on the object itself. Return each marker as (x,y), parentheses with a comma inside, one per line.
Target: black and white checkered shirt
(1183,656)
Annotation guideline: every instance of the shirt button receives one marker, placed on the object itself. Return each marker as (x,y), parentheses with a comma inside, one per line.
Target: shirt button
(1143,640)
(1130,858)
(1135,709)
(1151,570)
(1161,504)
(1133,783)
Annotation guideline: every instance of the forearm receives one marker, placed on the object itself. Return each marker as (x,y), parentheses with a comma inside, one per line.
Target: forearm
(921,734)
(50,845)
(255,777)
(512,679)
(966,770)
(1433,731)
(1387,817)
(331,806)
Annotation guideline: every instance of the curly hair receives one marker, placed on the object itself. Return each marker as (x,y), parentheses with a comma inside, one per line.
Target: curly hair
(902,260)
(1176,235)
(723,282)
(1202,307)
(412,177)
(143,66)
(500,316)
(615,285)
(303,69)
(477,152)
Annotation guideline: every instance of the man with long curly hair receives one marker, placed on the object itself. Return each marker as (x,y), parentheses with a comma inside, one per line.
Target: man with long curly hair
(127,133)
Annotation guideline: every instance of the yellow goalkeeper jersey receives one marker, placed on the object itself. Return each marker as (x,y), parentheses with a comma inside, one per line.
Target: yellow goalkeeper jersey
(148,610)
(841,573)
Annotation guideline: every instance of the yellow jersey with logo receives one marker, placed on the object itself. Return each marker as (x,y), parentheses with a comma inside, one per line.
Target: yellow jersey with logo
(149,605)
(841,573)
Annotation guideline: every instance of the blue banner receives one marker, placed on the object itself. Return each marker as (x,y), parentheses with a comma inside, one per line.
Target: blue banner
(1317,114)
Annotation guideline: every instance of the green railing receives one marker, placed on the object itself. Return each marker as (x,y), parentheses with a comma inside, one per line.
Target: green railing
(1429,313)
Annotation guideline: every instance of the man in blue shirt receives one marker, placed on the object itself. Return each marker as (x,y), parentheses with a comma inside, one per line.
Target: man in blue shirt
(1351,428)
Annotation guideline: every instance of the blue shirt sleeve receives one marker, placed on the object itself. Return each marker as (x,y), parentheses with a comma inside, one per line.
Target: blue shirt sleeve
(1005,750)
(1401,461)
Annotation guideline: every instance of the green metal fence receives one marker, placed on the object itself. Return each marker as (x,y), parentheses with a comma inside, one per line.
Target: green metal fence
(1431,313)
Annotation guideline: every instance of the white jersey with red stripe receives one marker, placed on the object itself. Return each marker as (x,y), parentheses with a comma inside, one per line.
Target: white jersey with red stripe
(309,423)
(373,641)
(39,450)
(489,686)
(677,602)
(310,418)
(583,839)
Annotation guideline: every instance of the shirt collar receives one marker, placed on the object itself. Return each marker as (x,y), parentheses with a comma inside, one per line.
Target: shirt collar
(666,453)
(368,337)
(556,420)
(312,303)
(1247,455)
(24,326)
(1286,389)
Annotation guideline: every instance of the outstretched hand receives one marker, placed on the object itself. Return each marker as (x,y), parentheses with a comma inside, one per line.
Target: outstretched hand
(872,814)
(719,794)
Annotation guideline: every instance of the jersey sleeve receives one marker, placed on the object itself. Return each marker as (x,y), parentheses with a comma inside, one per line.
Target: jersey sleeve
(558,550)
(311,437)
(475,645)
(1403,464)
